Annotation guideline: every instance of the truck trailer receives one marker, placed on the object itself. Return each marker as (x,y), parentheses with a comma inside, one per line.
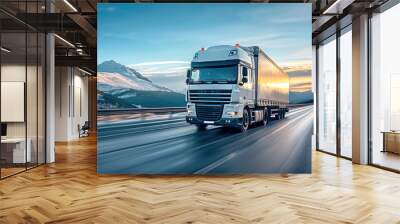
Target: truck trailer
(235,86)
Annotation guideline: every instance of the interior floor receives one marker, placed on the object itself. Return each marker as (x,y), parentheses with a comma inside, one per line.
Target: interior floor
(8,171)
(387,159)
(11,169)
(70,191)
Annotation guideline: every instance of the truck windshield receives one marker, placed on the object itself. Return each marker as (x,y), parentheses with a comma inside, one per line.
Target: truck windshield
(226,74)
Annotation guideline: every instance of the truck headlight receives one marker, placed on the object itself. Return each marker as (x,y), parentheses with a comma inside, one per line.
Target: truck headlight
(190,109)
(231,113)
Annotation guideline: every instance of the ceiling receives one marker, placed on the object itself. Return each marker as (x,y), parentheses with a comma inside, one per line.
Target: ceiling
(75,21)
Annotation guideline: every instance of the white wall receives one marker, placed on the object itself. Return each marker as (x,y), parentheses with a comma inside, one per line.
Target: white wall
(12,73)
(71,102)
(33,126)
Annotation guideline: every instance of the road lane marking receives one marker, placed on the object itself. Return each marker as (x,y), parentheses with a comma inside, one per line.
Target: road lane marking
(216,164)
(234,154)
(162,127)
(115,125)
(148,129)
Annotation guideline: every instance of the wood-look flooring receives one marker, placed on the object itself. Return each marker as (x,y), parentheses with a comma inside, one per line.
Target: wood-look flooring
(70,191)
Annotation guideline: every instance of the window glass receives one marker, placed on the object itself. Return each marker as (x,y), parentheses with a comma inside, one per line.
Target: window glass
(385,89)
(215,74)
(346,94)
(327,96)
(15,149)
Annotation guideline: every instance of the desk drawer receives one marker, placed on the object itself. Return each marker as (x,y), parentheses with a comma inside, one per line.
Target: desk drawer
(392,142)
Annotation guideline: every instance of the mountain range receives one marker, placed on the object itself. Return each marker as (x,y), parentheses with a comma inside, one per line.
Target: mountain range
(301,97)
(120,86)
(300,86)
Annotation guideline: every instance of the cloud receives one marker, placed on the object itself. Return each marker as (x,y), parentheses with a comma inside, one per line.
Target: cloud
(106,8)
(294,65)
(159,63)
(129,36)
(290,20)
(162,68)
(304,53)
(300,81)
(301,87)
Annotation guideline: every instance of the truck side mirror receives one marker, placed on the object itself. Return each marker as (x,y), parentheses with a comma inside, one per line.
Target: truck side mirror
(188,73)
(244,72)
(245,79)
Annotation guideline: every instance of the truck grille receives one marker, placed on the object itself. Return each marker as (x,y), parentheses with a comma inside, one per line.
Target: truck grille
(210,96)
(209,112)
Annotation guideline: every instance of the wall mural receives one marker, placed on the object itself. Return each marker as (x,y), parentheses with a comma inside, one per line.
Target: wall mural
(204,88)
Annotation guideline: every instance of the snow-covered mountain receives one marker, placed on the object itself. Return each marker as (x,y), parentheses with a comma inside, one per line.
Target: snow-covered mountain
(300,86)
(114,76)
(119,86)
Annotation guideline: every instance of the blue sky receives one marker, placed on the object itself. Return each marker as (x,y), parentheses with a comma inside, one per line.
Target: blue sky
(161,39)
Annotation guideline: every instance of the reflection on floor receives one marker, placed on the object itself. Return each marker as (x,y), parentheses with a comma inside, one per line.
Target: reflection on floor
(387,159)
(10,171)
(70,191)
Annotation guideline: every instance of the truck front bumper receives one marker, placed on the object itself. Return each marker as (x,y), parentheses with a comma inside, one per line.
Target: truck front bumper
(227,122)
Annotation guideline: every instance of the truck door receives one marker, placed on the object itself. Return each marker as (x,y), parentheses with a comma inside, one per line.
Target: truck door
(246,92)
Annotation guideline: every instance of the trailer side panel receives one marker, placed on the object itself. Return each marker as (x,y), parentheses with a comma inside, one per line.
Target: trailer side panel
(272,83)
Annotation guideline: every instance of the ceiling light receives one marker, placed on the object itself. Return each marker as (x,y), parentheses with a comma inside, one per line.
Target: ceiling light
(86,72)
(333,6)
(338,6)
(5,50)
(70,5)
(64,40)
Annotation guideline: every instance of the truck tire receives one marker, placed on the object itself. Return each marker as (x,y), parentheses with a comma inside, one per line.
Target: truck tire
(201,127)
(266,118)
(245,120)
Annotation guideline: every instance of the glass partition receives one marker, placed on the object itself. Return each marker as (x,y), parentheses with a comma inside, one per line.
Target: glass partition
(22,77)
(327,95)
(41,97)
(385,89)
(346,92)
(14,153)
(32,97)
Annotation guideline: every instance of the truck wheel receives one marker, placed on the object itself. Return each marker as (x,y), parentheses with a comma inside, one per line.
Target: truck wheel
(266,118)
(283,114)
(201,127)
(245,121)
(277,116)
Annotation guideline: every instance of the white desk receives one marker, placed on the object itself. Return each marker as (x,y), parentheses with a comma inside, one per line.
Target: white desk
(19,152)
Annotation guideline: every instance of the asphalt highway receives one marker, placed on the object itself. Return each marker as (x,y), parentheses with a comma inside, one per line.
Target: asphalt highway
(171,146)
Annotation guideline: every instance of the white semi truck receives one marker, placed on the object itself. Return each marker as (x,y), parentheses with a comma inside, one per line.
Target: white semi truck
(235,86)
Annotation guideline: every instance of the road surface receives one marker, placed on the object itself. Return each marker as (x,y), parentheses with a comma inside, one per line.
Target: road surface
(171,146)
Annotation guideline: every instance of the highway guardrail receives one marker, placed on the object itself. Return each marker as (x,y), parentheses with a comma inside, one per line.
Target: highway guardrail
(161,110)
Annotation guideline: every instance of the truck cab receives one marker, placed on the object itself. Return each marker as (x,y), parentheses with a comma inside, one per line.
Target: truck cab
(219,86)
